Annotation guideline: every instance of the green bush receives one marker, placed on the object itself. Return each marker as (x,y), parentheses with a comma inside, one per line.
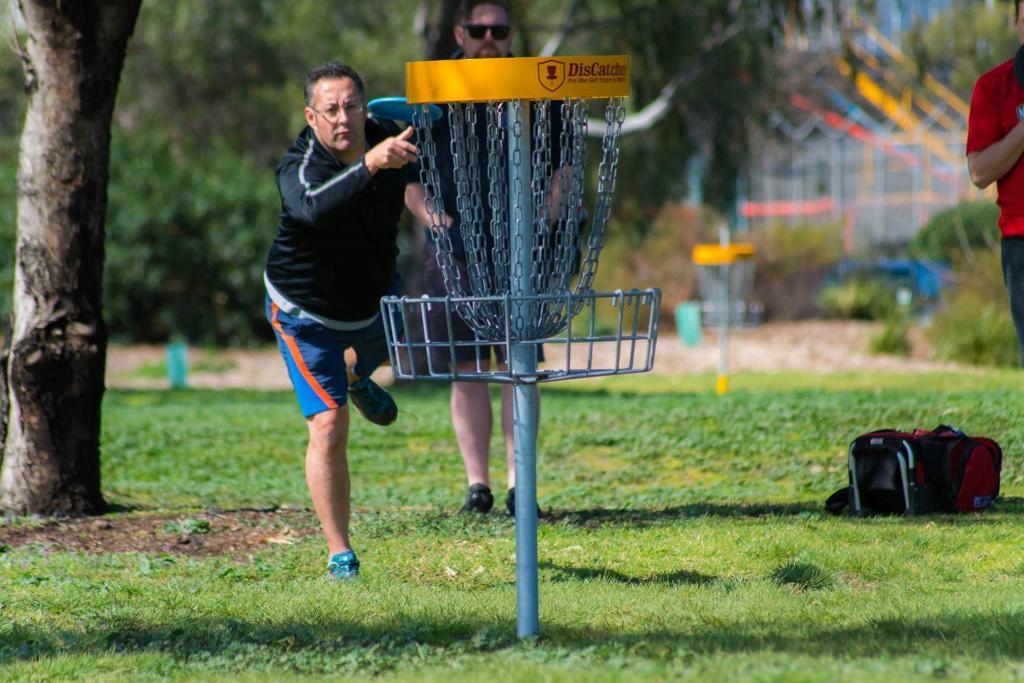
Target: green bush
(966,226)
(975,324)
(186,243)
(892,340)
(859,298)
(791,262)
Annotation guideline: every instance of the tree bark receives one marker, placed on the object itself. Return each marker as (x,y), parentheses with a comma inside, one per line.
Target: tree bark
(55,366)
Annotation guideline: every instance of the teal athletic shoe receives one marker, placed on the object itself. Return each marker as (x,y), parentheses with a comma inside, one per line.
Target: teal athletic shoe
(375,404)
(343,566)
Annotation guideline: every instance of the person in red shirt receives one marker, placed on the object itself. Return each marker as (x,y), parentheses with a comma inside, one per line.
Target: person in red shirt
(995,143)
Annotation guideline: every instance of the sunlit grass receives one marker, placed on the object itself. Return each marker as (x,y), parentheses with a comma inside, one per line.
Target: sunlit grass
(685,539)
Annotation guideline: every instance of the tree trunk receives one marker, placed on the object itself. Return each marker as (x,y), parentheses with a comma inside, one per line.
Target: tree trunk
(55,365)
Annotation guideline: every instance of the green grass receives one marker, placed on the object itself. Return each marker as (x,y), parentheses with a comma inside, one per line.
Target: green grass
(687,541)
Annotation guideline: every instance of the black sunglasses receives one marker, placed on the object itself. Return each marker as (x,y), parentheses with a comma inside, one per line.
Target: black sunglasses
(478,31)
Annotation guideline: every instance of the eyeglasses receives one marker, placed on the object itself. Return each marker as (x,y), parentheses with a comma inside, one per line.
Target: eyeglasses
(478,31)
(333,112)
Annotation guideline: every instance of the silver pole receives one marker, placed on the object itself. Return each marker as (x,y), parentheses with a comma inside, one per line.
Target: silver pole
(524,362)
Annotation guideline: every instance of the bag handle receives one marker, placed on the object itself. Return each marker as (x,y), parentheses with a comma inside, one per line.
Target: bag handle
(949,428)
(838,500)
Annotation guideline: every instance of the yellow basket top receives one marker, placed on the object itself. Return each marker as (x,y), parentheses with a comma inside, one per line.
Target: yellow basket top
(718,255)
(516,78)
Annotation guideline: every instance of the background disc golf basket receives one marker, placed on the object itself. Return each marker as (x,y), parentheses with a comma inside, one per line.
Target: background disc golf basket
(725,276)
(519,146)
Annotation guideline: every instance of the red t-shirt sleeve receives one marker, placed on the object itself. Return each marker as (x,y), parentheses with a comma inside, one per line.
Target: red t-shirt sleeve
(983,127)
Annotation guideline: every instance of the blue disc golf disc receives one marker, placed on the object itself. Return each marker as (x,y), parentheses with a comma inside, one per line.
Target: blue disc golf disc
(397,109)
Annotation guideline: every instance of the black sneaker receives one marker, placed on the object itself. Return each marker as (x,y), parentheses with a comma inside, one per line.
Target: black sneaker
(478,500)
(374,403)
(510,503)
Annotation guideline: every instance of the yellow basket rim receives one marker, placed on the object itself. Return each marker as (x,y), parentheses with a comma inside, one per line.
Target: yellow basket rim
(718,255)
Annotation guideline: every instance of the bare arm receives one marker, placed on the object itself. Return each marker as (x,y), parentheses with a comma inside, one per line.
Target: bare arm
(996,160)
(416,202)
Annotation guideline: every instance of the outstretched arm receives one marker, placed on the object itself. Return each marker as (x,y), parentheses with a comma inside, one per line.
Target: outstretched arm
(310,195)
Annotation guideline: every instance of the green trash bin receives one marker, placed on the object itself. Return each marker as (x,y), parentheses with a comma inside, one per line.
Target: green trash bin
(688,323)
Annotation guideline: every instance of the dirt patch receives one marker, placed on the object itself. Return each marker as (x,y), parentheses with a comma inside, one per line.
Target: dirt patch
(214,532)
(821,346)
(818,346)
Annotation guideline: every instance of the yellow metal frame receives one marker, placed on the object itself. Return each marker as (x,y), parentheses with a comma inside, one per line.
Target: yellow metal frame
(718,255)
(516,78)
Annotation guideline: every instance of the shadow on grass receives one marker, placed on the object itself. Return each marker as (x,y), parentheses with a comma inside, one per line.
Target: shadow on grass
(640,517)
(680,578)
(410,640)
(201,639)
(645,516)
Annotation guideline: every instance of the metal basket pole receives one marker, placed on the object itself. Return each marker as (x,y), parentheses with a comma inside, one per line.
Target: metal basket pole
(717,264)
(523,251)
(523,359)
(722,381)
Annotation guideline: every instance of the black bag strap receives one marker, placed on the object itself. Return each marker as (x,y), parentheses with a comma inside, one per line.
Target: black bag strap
(838,500)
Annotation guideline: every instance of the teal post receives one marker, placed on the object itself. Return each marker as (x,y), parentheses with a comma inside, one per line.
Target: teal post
(688,323)
(177,365)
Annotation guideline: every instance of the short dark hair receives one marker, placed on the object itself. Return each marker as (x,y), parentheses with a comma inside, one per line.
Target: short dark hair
(466,8)
(332,69)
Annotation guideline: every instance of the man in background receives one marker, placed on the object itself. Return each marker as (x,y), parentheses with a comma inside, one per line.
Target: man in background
(482,30)
(995,142)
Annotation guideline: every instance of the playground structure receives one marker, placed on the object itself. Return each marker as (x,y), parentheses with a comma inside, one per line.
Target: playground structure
(530,262)
(877,157)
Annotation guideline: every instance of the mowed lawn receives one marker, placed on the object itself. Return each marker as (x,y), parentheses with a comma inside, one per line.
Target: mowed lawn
(686,540)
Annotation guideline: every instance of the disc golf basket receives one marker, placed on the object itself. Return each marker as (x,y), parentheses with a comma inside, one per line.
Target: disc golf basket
(725,276)
(530,263)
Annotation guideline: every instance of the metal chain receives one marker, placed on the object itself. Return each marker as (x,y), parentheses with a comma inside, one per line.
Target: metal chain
(542,257)
(614,115)
(566,233)
(497,196)
(473,236)
(430,178)
(579,119)
(515,286)
(494,270)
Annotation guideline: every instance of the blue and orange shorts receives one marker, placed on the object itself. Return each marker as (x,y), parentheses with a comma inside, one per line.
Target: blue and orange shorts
(315,357)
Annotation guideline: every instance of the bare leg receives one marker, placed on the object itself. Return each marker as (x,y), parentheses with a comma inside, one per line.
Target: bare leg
(471,417)
(327,475)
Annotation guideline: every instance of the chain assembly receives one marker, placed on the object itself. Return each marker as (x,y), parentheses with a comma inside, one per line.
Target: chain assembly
(486,150)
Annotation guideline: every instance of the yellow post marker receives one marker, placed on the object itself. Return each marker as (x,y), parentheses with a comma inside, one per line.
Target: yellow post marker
(516,78)
(716,262)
